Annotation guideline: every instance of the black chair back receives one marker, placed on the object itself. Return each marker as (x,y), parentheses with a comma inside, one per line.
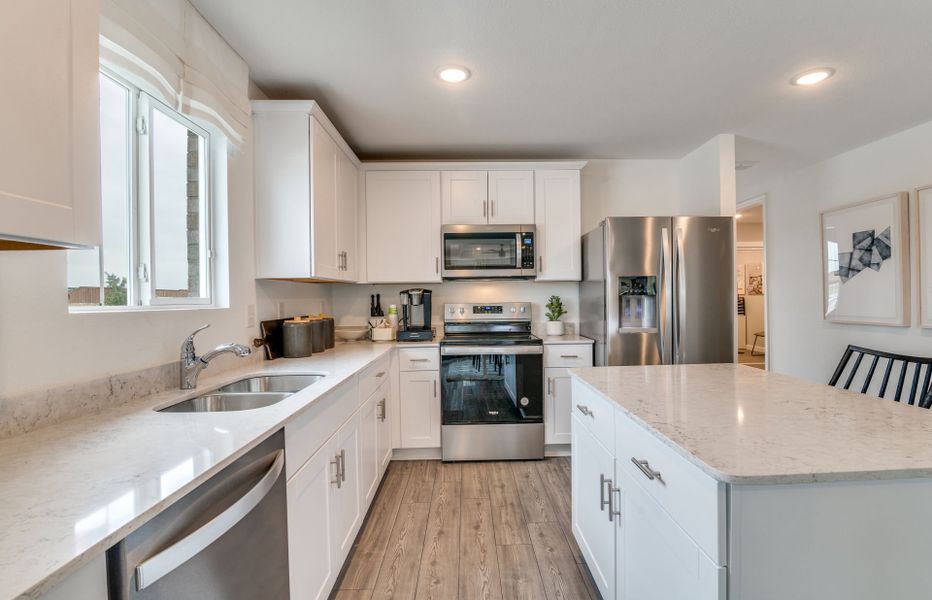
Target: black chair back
(914,372)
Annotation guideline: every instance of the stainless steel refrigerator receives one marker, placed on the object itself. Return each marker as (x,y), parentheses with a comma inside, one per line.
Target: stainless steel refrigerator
(659,290)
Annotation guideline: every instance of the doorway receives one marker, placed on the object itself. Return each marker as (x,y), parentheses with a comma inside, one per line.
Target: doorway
(751,323)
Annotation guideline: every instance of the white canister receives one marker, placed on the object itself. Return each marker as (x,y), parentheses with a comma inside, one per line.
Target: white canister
(554,328)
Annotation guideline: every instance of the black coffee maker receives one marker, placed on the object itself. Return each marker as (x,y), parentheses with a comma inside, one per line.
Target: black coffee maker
(414,325)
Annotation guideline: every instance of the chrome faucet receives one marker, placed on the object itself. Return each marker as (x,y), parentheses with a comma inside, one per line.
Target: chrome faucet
(192,364)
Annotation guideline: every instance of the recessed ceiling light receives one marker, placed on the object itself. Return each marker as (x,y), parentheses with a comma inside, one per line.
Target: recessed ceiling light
(812,76)
(738,215)
(453,74)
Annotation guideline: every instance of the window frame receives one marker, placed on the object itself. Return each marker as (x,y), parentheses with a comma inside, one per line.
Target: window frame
(140,285)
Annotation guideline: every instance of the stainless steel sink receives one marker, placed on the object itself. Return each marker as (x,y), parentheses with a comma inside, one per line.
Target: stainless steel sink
(272,383)
(219,402)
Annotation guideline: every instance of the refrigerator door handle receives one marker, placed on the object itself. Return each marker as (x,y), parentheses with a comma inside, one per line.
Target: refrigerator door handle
(664,268)
(679,305)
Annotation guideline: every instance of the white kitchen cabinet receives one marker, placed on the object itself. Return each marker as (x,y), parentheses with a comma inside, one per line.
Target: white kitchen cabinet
(465,197)
(403,217)
(593,470)
(312,568)
(49,116)
(87,583)
(383,428)
(420,409)
(346,512)
(368,450)
(511,197)
(306,194)
(660,560)
(558,406)
(557,217)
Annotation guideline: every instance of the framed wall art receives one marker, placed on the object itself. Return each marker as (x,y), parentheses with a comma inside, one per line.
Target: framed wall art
(924,222)
(865,262)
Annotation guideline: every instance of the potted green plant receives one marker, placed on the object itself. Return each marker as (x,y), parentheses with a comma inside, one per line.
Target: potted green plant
(555,310)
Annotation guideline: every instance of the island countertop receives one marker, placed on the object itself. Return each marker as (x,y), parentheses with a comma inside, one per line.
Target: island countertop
(750,427)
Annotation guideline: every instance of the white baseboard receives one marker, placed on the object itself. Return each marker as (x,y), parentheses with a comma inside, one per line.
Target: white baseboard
(557,450)
(416,454)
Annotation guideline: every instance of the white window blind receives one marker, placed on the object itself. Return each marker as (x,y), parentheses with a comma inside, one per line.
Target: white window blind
(167,49)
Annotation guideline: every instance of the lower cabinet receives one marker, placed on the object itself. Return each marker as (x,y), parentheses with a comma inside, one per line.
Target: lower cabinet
(557,406)
(383,427)
(420,409)
(312,568)
(594,518)
(639,545)
(368,448)
(346,515)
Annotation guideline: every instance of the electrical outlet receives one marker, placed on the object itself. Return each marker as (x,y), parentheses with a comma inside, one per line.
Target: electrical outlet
(250,315)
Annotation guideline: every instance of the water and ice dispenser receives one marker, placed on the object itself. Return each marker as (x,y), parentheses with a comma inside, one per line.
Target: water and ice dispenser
(637,295)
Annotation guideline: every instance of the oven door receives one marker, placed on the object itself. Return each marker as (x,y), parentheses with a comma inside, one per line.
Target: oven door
(487,251)
(484,385)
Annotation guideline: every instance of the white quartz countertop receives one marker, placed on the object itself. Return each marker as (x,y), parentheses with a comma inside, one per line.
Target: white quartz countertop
(746,426)
(71,490)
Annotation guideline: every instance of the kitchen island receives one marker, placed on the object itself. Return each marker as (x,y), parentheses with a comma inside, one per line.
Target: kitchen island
(722,481)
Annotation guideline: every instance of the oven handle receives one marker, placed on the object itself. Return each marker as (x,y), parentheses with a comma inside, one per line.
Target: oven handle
(474,350)
(166,561)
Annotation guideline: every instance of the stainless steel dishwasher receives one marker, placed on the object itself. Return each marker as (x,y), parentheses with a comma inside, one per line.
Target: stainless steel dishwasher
(226,540)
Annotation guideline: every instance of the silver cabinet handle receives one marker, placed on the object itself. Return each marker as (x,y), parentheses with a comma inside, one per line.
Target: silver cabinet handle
(437,264)
(602,501)
(585,410)
(485,208)
(644,467)
(492,210)
(336,462)
(615,510)
(540,264)
(380,374)
(550,386)
(418,360)
(343,465)
(152,569)
(435,388)
(381,409)
(569,356)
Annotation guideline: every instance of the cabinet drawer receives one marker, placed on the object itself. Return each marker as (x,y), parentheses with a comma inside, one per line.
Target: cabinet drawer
(595,412)
(693,499)
(419,359)
(306,434)
(373,376)
(568,355)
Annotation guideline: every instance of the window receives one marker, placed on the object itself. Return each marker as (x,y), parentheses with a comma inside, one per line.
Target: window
(155,207)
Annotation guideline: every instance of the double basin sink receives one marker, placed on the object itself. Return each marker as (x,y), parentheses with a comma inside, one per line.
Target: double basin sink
(246,394)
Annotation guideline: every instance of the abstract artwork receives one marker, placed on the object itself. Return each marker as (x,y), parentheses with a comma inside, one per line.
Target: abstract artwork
(755,285)
(924,206)
(865,257)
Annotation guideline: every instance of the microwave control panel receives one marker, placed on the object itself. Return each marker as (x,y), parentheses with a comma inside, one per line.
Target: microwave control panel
(527,250)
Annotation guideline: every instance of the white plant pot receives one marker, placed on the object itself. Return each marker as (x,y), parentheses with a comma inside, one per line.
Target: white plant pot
(554,327)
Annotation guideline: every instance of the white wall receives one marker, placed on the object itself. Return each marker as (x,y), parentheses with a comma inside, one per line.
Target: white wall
(802,343)
(706,178)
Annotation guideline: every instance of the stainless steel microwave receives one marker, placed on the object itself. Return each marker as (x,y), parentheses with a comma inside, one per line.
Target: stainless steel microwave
(489,251)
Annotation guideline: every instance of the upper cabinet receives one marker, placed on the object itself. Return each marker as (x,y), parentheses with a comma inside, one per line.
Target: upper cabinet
(49,116)
(487,197)
(403,226)
(511,197)
(557,217)
(306,180)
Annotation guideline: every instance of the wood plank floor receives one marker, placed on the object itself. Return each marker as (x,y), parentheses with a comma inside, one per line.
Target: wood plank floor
(483,531)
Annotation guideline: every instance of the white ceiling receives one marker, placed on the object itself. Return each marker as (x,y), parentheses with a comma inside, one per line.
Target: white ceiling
(593,78)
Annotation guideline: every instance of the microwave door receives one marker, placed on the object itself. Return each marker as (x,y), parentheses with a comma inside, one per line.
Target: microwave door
(481,255)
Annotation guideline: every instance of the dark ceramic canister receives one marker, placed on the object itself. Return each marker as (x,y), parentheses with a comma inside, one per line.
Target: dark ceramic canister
(318,334)
(297,339)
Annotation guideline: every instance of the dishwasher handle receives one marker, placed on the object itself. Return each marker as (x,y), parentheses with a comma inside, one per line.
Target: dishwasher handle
(169,559)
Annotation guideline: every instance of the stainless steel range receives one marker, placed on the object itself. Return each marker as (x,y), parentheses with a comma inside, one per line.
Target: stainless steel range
(491,373)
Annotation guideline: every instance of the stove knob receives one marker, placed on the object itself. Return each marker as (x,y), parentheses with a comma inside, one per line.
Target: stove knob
(452,310)
(523,309)
(512,309)
(462,311)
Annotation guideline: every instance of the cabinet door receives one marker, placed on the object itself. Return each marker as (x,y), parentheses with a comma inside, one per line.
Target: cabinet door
(660,560)
(593,469)
(557,217)
(384,427)
(511,197)
(368,449)
(420,409)
(465,197)
(325,158)
(347,201)
(345,506)
(403,226)
(49,114)
(558,408)
(311,566)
